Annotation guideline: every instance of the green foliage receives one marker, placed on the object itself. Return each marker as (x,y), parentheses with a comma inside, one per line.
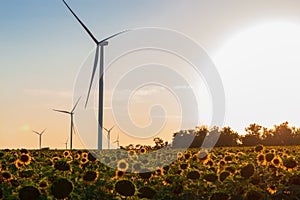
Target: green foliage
(224,173)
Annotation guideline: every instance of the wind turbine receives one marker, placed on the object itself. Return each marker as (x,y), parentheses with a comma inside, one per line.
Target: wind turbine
(40,136)
(117,141)
(108,136)
(66,143)
(72,124)
(100,44)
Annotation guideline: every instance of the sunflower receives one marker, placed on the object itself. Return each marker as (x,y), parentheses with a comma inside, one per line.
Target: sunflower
(122,165)
(90,176)
(209,162)
(54,159)
(193,175)
(66,153)
(255,180)
(131,153)
(19,164)
(61,188)
(290,163)
(77,156)
(269,157)
(119,174)
(159,171)
(136,167)
(142,150)
(223,175)
(228,158)
(29,192)
(113,158)
(84,160)
(25,159)
(7,176)
(187,155)
(276,161)
(146,192)
(69,159)
(184,166)
(43,184)
(247,171)
(179,155)
(84,155)
(259,148)
(125,188)
(222,163)
(211,177)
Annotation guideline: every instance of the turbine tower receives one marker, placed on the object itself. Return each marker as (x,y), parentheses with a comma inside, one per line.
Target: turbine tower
(108,136)
(40,137)
(117,141)
(100,44)
(72,123)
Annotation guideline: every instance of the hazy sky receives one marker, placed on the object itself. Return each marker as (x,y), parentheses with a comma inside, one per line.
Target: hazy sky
(254,45)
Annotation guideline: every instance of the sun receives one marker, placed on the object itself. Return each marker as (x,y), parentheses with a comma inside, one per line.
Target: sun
(260,66)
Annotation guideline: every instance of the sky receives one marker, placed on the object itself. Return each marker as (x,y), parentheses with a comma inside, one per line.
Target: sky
(253,45)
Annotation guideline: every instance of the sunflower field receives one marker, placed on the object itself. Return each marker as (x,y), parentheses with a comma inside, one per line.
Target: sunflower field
(250,173)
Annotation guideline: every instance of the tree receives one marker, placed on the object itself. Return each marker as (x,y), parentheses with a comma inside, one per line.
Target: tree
(253,136)
(228,137)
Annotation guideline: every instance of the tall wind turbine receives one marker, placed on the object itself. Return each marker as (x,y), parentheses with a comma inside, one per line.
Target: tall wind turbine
(72,123)
(100,44)
(117,141)
(108,136)
(40,137)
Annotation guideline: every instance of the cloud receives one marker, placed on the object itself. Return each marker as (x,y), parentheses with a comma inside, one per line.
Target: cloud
(47,92)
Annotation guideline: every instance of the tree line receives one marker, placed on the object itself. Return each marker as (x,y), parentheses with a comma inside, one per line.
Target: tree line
(279,135)
(202,136)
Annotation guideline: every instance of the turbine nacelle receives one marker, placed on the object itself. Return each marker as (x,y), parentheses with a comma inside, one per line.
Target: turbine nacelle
(104,43)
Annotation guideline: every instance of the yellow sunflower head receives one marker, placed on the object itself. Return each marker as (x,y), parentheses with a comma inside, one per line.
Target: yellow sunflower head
(122,165)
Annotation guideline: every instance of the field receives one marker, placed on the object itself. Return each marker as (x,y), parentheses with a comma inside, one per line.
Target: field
(225,173)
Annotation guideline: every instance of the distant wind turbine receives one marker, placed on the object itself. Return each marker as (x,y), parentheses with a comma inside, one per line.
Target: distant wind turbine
(108,136)
(40,137)
(100,44)
(117,141)
(72,123)
(66,143)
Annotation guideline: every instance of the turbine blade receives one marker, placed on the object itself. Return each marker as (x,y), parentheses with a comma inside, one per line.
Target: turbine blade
(36,132)
(114,35)
(106,129)
(62,111)
(75,105)
(93,74)
(82,24)
(43,131)
(111,128)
